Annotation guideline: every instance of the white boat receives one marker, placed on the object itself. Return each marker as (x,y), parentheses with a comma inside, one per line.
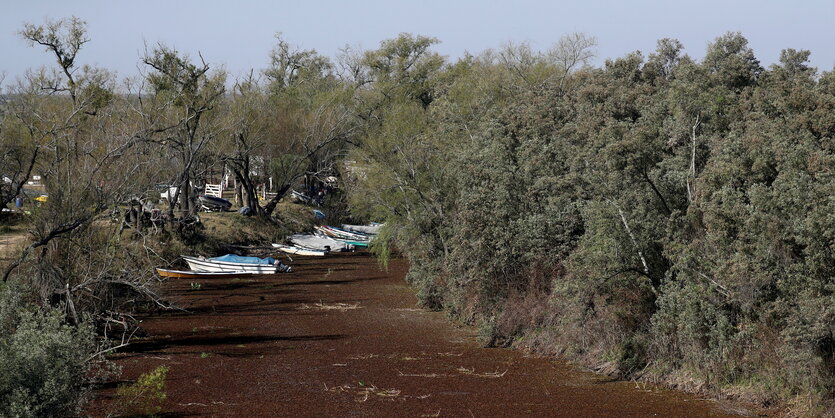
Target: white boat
(295,249)
(299,197)
(339,233)
(371,229)
(318,242)
(234,263)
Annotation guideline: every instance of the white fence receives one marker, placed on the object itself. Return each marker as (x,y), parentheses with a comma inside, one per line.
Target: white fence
(215,190)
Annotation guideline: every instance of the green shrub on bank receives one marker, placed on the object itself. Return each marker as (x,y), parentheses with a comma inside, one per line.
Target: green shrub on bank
(144,397)
(44,362)
(680,211)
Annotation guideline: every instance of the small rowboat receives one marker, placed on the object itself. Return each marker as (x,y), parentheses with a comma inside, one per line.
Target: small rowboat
(293,249)
(188,274)
(234,263)
(211,203)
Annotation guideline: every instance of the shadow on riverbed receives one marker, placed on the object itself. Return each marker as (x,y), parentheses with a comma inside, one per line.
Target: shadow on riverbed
(156,346)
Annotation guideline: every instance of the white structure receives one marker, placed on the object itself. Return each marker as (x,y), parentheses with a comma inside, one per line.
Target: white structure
(215,190)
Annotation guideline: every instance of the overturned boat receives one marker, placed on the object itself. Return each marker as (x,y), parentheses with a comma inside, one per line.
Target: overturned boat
(297,250)
(318,242)
(212,203)
(341,234)
(370,229)
(236,263)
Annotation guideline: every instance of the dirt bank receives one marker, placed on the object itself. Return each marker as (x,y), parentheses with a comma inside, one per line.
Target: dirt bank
(339,337)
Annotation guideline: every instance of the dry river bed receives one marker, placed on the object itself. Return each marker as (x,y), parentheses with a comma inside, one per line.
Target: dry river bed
(340,337)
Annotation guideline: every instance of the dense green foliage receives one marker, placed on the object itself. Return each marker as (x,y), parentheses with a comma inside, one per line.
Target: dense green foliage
(655,216)
(44,362)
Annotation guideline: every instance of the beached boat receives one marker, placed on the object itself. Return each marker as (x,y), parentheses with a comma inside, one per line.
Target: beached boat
(212,203)
(358,244)
(318,242)
(370,229)
(299,197)
(295,249)
(234,263)
(339,233)
(188,274)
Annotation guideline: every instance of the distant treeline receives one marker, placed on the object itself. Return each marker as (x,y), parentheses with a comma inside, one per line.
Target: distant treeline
(656,217)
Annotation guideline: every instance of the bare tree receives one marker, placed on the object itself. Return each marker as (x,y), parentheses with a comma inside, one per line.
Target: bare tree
(310,117)
(185,93)
(246,137)
(90,154)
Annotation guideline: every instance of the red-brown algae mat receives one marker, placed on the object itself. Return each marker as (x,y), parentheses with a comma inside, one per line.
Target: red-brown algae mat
(340,337)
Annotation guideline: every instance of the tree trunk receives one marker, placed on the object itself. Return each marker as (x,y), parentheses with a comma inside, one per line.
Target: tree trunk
(246,190)
(239,200)
(270,206)
(17,186)
(186,208)
(172,202)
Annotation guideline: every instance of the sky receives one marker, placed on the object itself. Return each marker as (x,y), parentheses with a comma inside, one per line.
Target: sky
(239,35)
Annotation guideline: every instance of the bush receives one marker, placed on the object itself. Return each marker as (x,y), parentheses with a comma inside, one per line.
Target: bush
(687,205)
(145,396)
(44,363)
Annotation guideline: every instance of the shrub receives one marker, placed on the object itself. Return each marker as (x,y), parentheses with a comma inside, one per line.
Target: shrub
(146,395)
(44,362)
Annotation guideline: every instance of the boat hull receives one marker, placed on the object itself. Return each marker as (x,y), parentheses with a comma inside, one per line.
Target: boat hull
(215,203)
(364,229)
(342,234)
(317,242)
(358,244)
(293,249)
(186,274)
(206,265)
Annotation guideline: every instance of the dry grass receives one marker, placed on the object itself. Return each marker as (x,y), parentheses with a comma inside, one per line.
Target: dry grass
(12,240)
(363,356)
(489,375)
(363,392)
(429,375)
(342,307)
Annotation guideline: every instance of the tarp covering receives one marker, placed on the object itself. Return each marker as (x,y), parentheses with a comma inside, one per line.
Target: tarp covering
(234,258)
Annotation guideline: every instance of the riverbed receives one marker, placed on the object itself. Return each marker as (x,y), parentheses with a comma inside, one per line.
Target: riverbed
(341,337)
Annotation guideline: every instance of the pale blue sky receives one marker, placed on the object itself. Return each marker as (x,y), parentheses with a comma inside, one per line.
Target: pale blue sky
(239,34)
